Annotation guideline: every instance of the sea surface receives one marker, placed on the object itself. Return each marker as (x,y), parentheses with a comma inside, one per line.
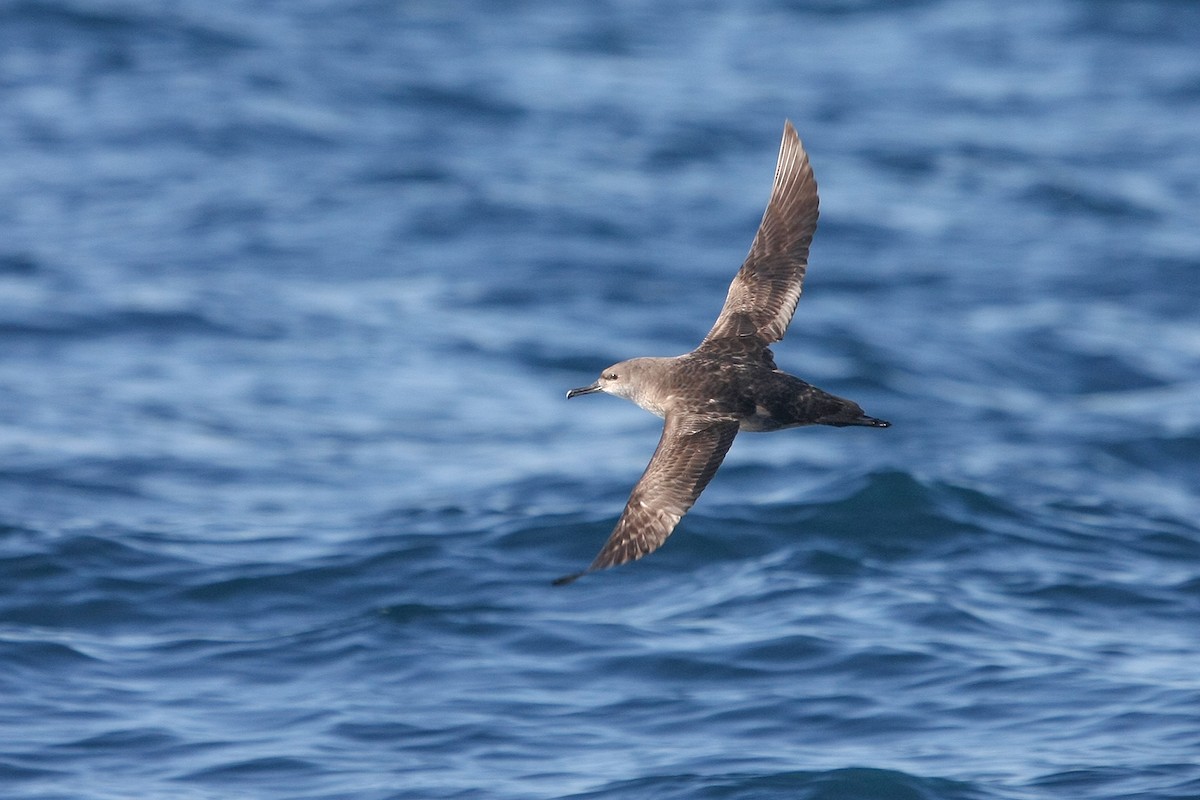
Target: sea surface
(290,296)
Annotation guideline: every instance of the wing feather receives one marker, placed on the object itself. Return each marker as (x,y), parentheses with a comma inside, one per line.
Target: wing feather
(689,452)
(763,295)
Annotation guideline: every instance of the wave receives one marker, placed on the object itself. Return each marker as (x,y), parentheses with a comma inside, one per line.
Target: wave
(155,324)
(851,783)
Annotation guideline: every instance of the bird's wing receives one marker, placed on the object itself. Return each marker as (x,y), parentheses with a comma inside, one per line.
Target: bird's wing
(764,293)
(690,450)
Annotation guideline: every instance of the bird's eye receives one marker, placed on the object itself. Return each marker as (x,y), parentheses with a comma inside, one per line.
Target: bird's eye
(609,376)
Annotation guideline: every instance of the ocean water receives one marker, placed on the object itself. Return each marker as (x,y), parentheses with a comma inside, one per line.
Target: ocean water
(290,295)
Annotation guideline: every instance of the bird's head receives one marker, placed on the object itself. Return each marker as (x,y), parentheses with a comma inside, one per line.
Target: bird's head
(623,379)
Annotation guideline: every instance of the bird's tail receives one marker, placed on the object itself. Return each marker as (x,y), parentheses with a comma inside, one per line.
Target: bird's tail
(863,419)
(840,412)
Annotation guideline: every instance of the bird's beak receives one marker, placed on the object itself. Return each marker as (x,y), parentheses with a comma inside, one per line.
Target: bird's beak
(595,387)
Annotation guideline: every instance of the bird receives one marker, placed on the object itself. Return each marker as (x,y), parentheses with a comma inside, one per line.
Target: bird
(730,382)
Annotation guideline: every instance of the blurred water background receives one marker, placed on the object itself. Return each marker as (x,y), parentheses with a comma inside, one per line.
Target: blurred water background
(290,293)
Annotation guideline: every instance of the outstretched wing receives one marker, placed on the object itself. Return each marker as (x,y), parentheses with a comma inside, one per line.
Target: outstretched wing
(688,454)
(764,293)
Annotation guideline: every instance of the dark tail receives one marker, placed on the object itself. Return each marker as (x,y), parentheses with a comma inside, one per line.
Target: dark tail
(792,401)
(840,413)
(870,422)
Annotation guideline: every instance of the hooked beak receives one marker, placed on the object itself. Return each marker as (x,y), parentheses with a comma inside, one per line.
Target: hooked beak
(595,387)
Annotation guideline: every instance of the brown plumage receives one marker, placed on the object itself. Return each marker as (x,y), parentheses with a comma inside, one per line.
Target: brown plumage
(763,295)
(730,382)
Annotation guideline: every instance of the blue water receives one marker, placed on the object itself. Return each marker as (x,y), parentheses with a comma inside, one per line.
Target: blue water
(290,294)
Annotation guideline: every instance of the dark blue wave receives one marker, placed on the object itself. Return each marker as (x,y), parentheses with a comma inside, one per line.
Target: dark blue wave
(839,784)
(157,325)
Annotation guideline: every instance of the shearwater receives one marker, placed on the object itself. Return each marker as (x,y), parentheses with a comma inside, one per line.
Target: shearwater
(730,382)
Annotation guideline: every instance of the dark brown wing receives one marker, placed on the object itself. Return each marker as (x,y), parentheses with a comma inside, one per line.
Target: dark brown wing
(764,293)
(688,454)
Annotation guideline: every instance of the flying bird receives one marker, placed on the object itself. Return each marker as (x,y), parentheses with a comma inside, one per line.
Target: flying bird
(730,382)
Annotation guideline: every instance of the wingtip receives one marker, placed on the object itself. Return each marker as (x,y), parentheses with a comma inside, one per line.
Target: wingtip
(790,133)
(566,579)
(791,155)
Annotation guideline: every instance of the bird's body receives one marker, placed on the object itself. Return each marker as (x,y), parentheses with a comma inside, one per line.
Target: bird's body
(746,387)
(730,382)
